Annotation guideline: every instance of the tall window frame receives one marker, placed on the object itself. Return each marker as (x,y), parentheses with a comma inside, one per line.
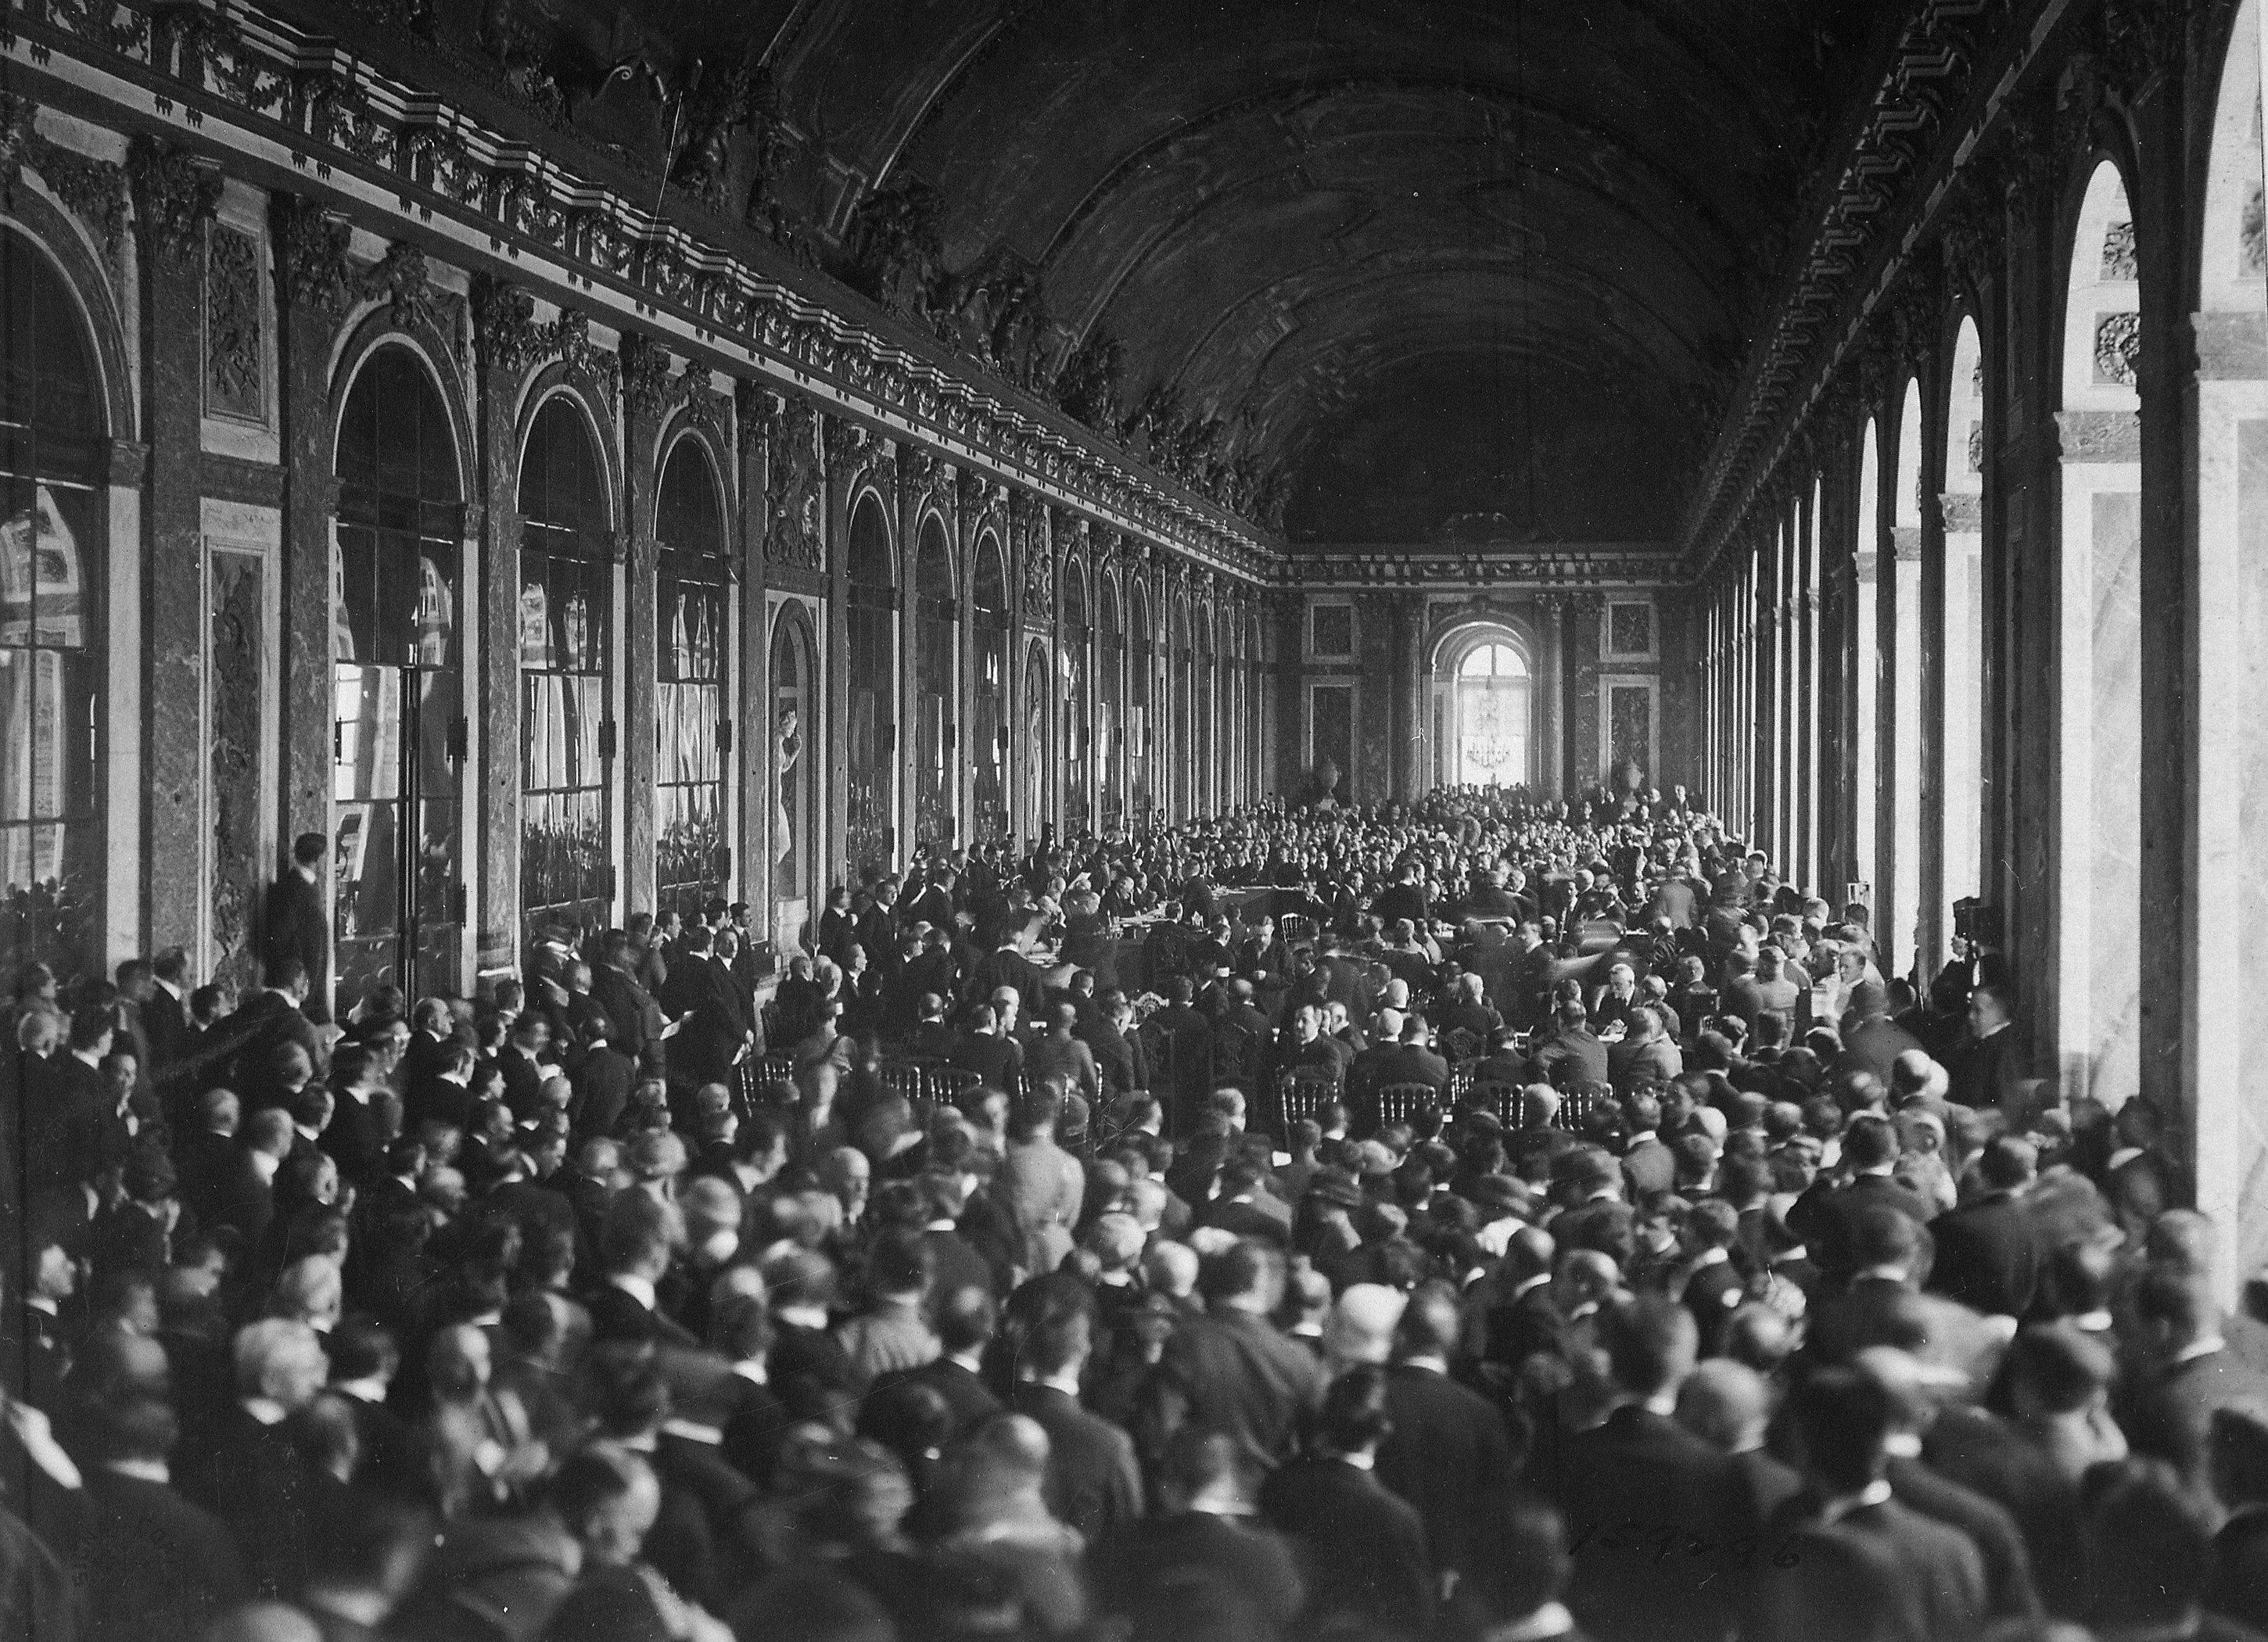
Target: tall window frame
(567,878)
(692,819)
(53,626)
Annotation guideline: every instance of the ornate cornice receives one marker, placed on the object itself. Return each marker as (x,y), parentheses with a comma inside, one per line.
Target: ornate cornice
(1617,564)
(367,140)
(93,190)
(175,195)
(1947,84)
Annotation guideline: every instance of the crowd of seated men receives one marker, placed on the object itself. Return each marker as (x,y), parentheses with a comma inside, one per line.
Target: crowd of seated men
(1488,1219)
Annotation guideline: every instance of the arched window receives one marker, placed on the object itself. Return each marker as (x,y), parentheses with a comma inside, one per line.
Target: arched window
(1202,742)
(871,833)
(1898,939)
(1487,725)
(396,650)
(1141,663)
(1865,661)
(1110,679)
(692,817)
(795,733)
(993,623)
(2101,574)
(566,651)
(1077,816)
(53,624)
(1962,505)
(935,768)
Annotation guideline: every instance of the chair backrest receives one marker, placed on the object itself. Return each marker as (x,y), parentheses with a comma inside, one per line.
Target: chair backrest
(1502,1099)
(1295,926)
(779,1069)
(1303,1093)
(1579,1103)
(950,1085)
(1400,1102)
(903,1078)
(1235,1055)
(1461,1078)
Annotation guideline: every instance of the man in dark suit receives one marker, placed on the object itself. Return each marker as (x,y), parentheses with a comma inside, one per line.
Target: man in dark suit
(966,1320)
(167,1027)
(1647,1053)
(1092,1481)
(1987,1064)
(523,1079)
(634,1254)
(1178,1044)
(249,1471)
(1879,1306)
(1118,1054)
(279,1015)
(1825,1216)
(292,929)
(984,1051)
(1449,1454)
(1201,1554)
(719,1031)
(153,1564)
(1362,1547)
(1233,1368)
(1572,1055)
(1641,1466)
(2167,1412)
(204,1158)
(73,1125)
(353,1137)
(1988,1253)
(1856,1548)
(1648,1165)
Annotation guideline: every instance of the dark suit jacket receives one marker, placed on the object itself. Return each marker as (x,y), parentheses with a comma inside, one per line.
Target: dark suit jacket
(1092,1481)
(1844,1325)
(1361,1547)
(1567,1058)
(1988,1255)
(251,1477)
(153,1564)
(1240,1375)
(1648,1167)
(1985,1074)
(1883,1571)
(351,1139)
(291,926)
(2007,1565)
(966,1397)
(2169,1415)
(720,1022)
(1251,1568)
(1643,1468)
(1450,1456)
(618,1315)
(992,1057)
(262,1026)
(1826,1213)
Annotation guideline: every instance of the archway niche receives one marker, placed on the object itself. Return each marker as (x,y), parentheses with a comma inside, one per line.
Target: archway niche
(1960,506)
(2098,993)
(1483,700)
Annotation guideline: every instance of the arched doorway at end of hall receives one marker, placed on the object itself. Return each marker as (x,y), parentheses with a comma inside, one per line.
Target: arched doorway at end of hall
(1483,708)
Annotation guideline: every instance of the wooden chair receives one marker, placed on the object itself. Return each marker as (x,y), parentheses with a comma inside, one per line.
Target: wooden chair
(1236,1056)
(1461,1078)
(1294,927)
(779,1069)
(1303,1093)
(949,1085)
(903,1078)
(1400,1102)
(1502,1099)
(1579,1102)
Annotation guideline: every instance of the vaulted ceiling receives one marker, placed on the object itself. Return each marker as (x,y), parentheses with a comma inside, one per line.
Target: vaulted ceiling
(1483,267)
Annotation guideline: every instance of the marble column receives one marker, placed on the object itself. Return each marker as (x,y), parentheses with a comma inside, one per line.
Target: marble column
(645,383)
(505,358)
(1411,736)
(174,201)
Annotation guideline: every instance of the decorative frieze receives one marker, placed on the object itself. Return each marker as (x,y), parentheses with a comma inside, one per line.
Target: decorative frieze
(175,197)
(235,354)
(795,529)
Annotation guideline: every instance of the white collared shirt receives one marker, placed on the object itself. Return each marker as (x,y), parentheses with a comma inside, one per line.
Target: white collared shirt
(144,1470)
(637,1287)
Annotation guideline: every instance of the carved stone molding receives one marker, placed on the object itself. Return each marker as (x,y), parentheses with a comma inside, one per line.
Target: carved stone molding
(93,190)
(316,270)
(175,197)
(512,340)
(647,389)
(795,524)
(235,354)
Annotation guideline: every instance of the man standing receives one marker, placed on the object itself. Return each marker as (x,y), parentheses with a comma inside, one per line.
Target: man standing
(1986,1067)
(292,925)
